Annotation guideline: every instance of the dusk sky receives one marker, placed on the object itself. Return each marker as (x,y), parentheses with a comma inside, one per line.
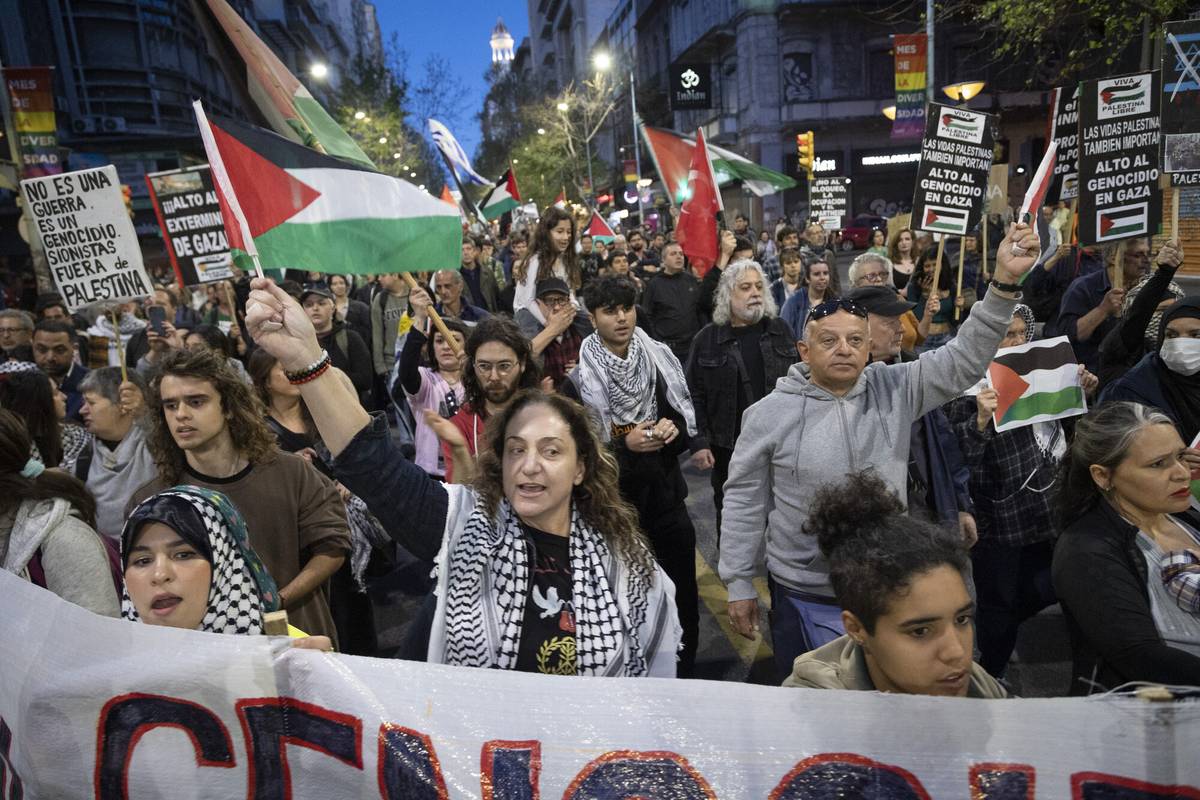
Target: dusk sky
(460,31)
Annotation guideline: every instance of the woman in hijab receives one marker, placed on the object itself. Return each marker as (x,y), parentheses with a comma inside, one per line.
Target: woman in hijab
(1169,377)
(1013,484)
(188,564)
(1141,316)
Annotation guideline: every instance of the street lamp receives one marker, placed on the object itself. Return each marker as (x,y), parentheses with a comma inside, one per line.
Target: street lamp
(963,91)
(383,140)
(541,131)
(360,115)
(318,70)
(563,107)
(602,61)
(889,112)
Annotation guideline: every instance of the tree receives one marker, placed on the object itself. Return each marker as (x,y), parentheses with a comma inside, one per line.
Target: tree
(1070,39)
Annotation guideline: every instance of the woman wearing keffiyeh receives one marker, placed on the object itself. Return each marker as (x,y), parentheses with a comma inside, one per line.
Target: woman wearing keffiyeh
(541,567)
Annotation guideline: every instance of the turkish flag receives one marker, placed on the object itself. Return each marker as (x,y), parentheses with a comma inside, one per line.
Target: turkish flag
(697,228)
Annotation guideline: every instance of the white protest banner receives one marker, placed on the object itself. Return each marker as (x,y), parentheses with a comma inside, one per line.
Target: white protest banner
(93,707)
(88,237)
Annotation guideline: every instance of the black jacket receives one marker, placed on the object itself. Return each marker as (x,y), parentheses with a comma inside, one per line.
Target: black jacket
(349,353)
(1100,577)
(715,372)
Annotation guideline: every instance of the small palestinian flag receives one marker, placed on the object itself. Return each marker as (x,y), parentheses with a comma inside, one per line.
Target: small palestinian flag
(295,208)
(956,123)
(1121,223)
(1036,382)
(599,230)
(1122,94)
(503,197)
(945,219)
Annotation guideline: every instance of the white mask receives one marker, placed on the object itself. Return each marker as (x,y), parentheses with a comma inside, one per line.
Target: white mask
(1181,355)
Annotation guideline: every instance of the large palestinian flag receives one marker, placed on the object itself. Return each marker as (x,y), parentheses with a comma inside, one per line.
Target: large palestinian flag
(1036,382)
(295,208)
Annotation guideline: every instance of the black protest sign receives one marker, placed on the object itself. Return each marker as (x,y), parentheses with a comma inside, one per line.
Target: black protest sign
(90,243)
(829,201)
(956,160)
(1064,128)
(1181,100)
(1118,158)
(190,218)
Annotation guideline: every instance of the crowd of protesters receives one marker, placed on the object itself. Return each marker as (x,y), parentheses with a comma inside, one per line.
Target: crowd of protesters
(522,425)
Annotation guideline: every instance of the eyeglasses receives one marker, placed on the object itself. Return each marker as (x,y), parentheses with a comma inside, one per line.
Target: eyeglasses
(555,301)
(501,368)
(6,331)
(874,277)
(833,306)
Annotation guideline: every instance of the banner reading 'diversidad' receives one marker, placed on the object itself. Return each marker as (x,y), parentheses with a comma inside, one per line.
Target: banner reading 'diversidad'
(104,708)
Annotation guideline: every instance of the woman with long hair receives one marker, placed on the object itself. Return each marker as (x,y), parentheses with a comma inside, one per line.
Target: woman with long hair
(552,255)
(909,619)
(902,253)
(210,337)
(878,244)
(935,307)
(355,313)
(47,520)
(1125,563)
(33,397)
(541,565)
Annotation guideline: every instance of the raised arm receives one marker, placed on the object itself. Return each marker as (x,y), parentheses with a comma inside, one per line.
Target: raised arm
(1130,332)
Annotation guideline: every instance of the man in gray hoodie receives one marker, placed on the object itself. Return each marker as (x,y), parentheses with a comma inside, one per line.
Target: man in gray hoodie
(829,416)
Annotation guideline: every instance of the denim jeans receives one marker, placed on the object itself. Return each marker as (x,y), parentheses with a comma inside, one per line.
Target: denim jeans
(799,623)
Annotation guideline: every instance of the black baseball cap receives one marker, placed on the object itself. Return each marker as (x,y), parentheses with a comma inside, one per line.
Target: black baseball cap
(880,300)
(317,290)
(552,285)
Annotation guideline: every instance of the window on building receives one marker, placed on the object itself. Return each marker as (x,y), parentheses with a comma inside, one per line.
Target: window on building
(729,86)
(881,73)
(799,86)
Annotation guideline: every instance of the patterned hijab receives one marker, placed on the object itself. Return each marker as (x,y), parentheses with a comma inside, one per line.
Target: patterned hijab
(241,590)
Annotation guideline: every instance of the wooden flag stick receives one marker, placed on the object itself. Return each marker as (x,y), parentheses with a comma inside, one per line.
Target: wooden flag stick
(937,269)
(1174,214)
(1118,281)
(451,342)
(229,298)
(962,257)
(983,265)
(116,323)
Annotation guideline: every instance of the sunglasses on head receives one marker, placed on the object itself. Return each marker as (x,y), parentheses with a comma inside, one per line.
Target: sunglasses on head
(833,306)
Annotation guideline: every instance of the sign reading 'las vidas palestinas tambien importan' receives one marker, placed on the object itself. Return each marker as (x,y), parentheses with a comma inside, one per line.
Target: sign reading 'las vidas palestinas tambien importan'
(952,180)
(1118,158)
(90,243)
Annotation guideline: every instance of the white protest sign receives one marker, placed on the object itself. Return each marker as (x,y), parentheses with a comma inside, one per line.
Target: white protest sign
(88,237)
(104,708)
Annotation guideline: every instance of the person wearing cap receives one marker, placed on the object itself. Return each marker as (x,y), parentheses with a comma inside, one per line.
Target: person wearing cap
(873,269)
(555,329)
(734,362)
(347,351)
(448,286)
(669,305)
(830,416)
(937,472)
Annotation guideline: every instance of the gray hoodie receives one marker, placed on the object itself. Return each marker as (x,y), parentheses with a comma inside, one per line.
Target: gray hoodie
(800,437)
(73,558)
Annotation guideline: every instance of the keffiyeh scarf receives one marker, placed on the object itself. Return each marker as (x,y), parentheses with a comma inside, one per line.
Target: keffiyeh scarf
(241,590)
(489,583)
(621,391)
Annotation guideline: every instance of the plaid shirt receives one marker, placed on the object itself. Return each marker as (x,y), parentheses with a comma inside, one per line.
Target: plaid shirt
(559,353)
(1180,573)
(1012,481)
(771,268)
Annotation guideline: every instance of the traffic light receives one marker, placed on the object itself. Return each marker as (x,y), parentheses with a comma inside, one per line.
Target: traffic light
(127,196)
(804,151)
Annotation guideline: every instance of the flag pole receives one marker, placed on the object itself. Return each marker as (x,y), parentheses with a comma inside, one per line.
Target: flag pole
(1118,280)
(937,269)
(438,322)
(962,257)
(983,265)
(115,311)
(1174,214)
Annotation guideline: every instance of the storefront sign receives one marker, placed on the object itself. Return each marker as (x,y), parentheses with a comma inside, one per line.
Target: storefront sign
(691,86)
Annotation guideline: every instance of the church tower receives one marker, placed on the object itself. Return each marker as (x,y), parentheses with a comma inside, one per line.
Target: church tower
(502,45)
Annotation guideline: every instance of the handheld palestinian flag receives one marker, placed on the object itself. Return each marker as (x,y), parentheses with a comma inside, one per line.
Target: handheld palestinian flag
(599,230)
(290,207)
(672,155)
(503,197)
(561,200)
(1036,382)
(282,100)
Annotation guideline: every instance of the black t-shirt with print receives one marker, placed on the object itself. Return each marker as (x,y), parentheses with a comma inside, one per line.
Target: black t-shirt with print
(548,631)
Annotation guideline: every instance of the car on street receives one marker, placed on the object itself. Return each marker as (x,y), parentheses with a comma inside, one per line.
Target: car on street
(857,235)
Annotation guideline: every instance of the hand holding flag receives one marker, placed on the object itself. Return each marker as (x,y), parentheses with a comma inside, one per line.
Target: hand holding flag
(1017,253)
(1035,195)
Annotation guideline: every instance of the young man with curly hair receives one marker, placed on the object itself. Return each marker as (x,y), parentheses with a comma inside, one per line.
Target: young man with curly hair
(206,428)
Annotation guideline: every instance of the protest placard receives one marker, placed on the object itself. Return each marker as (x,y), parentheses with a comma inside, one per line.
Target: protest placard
(952,179)
(997,193)
(90,243)
(1118,158)
(189,216)
(106,708)
(1064,129)
(829,201)
(1181,102)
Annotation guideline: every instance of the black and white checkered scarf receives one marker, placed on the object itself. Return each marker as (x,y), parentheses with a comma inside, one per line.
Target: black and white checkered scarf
(489,583)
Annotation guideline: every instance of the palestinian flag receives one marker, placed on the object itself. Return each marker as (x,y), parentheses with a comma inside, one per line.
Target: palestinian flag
(1036,382)
(1121,223)
(672,154)
(561,200)
(599,230)
(1122,94)
(503,197)
(294,208)
(944,219)
(288,108)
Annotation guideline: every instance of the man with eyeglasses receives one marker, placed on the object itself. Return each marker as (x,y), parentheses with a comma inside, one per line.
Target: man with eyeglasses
(872,269)
(832,415)
(16,331)
(1092,304)
(555,329)
(499,364)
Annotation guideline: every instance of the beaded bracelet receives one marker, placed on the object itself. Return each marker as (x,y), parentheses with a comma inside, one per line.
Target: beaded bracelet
(312,371)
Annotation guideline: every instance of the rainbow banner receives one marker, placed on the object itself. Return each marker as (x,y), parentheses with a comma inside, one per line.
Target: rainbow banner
(31,96)
(910,85)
